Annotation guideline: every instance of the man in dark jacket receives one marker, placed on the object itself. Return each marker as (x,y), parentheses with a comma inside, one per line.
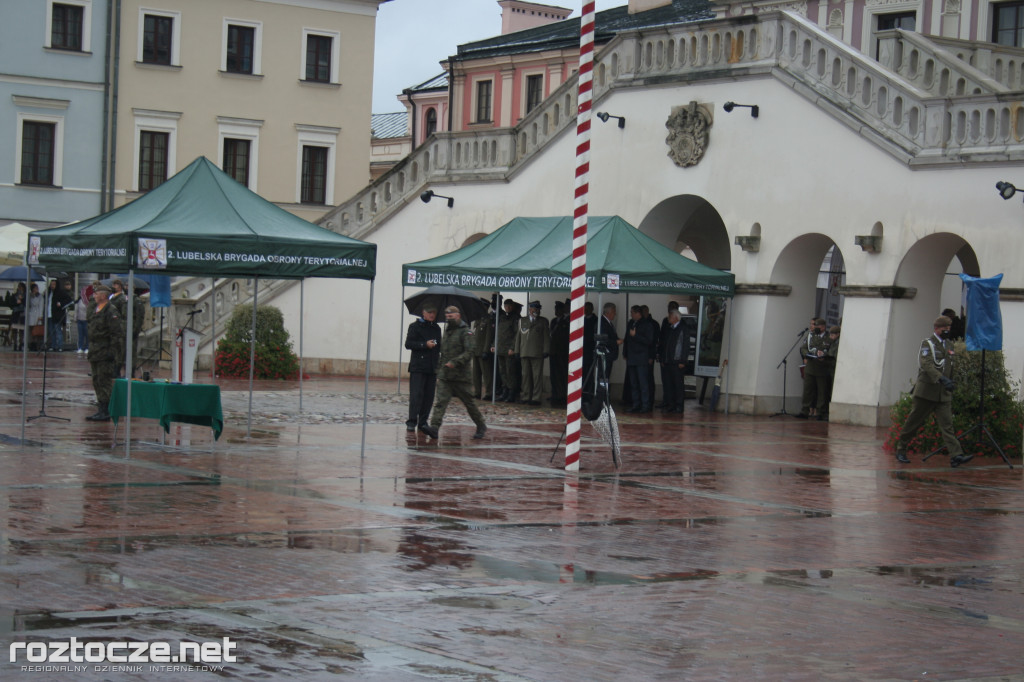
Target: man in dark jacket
(639,340)
(675,347)
(613,341)
(61,297)
(424,340)
(559,361)
(455,376)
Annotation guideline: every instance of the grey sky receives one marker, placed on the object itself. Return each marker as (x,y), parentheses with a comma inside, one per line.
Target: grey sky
(413,36)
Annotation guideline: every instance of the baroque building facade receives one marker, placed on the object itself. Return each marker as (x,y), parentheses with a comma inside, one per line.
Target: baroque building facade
(889,161)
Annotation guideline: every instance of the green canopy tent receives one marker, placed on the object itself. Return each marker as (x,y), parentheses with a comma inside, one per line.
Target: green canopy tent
(535,254)
(203,222)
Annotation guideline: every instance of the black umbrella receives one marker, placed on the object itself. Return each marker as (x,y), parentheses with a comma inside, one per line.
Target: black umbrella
(141,285)
(17,273)
(471,306)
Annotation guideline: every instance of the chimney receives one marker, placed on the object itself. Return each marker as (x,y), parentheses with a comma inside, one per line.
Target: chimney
(517,15)
(644,5)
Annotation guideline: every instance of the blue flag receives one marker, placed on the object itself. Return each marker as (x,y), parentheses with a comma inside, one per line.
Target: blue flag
(159,291)
(984,321)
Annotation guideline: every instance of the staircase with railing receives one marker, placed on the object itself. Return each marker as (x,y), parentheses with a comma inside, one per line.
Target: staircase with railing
(931,102)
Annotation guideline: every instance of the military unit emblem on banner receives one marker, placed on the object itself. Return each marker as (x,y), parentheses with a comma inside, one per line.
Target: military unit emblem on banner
(410,277)
(152,253)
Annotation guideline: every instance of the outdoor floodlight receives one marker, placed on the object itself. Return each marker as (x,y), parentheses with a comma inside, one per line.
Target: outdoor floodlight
(429,194)
(1006,190)
(754,109)
(604,116)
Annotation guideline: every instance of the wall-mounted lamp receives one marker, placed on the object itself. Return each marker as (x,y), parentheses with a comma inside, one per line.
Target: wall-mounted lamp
(1006,190)
(754,109)
(604,116)
(429,194)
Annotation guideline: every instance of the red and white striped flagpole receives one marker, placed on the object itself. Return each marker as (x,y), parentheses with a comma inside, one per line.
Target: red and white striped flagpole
(579,239)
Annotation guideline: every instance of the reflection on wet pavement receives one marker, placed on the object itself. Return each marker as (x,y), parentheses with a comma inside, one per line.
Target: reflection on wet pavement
(726,547)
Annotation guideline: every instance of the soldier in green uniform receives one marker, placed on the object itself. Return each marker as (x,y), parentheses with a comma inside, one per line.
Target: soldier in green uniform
(933,393)
(815,373)
(828,358)
(508,323)
(483,356)
(454,376)
(106,349)
(533,344)
(119,298)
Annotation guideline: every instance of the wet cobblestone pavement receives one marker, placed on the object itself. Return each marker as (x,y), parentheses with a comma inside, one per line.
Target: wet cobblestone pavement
(725,548)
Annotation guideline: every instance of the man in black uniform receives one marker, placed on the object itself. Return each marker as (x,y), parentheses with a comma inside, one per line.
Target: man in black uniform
(559,360)
(424,340)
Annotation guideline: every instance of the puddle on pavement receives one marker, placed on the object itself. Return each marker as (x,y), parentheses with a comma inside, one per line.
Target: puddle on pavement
(936,576)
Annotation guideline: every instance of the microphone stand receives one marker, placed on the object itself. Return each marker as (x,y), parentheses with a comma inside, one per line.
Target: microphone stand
(785,366)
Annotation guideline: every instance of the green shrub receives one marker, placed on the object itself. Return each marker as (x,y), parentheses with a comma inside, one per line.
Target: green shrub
(274,358)
(1004,412)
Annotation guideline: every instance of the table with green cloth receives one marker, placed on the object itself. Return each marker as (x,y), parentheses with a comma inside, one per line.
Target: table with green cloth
(187,403)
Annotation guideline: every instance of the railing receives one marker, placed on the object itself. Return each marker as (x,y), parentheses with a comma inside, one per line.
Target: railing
(929,102)
(1001,63)
(931,67)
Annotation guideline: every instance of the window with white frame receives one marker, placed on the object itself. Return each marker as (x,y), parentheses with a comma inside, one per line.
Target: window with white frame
(239,149)
(316,158)
(69,25)
(156,136)
(159,37)
(483,95)
(243,47)
(321,52)
(39,145)
(37,153)
(534,91)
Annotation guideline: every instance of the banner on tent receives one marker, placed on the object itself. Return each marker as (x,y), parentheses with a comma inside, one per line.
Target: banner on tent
(538,282)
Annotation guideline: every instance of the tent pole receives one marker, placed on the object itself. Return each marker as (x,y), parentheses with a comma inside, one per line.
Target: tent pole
(494,355)
(24,348)
(130,304)
(252,350)
(302,308)
(213,331)
(401,319)
(728,352)
(366,377)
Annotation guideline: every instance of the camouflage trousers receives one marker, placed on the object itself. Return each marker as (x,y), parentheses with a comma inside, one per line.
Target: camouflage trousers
(103,375)
(446,390)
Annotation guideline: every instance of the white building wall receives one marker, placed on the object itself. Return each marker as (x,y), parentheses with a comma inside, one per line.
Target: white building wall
(807,179)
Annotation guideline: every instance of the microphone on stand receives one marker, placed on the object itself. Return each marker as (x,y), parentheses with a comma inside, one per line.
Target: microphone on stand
(806,329)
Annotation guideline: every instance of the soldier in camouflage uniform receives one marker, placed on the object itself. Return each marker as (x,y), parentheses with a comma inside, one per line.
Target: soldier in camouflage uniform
(106,348)
(120,300)
(455,377)
(483,356)
(506,338)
